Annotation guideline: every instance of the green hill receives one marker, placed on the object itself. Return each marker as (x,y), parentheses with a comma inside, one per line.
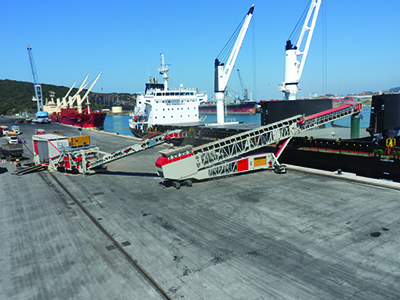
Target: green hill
(16,97)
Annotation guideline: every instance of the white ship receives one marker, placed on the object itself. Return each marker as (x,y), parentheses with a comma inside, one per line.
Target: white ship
(162,106)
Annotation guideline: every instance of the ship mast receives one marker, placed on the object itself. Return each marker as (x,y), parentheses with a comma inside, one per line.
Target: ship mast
(164,72)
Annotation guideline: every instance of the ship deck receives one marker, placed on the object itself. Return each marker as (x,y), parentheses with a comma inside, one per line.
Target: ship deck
(300,235)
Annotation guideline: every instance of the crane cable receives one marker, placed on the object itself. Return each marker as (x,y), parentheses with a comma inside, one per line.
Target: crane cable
(227,49)
(296,30)
(254,62)
(324,50)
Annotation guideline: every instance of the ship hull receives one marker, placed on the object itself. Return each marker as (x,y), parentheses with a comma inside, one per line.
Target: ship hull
(140,134)
(362,158)
(93,120)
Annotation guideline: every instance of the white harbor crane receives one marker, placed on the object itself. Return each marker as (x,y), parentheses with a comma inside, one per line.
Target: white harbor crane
(294,67)
(37,86)
(223,70)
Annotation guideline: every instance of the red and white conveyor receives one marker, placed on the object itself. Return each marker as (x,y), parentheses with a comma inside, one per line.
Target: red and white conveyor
(231,155)
(147,143)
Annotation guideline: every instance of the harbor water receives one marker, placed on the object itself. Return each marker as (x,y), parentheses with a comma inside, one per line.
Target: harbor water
(120,124)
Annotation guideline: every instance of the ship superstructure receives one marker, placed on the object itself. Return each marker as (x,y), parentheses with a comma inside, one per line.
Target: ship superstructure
(161,105)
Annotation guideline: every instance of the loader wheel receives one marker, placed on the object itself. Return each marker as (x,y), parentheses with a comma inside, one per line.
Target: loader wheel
(280,169)
(188,183)
(176,185)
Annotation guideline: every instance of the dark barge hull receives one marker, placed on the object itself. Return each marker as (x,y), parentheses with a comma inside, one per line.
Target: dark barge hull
(361,157)
(364,157)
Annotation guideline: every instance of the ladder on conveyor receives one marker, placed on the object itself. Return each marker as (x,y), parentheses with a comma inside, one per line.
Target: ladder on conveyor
(227,156)
(144,145)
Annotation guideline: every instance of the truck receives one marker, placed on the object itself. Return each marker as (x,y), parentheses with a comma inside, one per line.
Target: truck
(15,128)
(40,131)
(12,137)
(4,129)
(11,151)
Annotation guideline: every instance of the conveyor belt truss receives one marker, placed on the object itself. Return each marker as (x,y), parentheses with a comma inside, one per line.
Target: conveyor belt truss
(231,147)
(87,160)
(221,157)
(144,145)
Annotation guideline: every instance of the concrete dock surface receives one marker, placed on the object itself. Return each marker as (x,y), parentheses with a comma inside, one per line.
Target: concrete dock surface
(260,235)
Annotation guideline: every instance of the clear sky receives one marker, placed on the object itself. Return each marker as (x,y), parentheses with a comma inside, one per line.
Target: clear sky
(124,39)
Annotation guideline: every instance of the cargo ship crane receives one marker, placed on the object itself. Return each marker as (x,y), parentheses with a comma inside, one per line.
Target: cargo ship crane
(294,67)
(223,70)
(64,103)
(37,86)
(245,94)
(80,101)
(71,100)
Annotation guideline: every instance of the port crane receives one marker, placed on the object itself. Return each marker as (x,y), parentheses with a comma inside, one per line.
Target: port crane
(36,85)
(230,155)
(245,94)
(223,70)
(294,67)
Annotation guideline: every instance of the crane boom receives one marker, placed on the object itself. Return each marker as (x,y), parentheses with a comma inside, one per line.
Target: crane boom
(223,71)
(64,99)
(36,85)
(72,99)
(245,95)
(294,67)
(80,101)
